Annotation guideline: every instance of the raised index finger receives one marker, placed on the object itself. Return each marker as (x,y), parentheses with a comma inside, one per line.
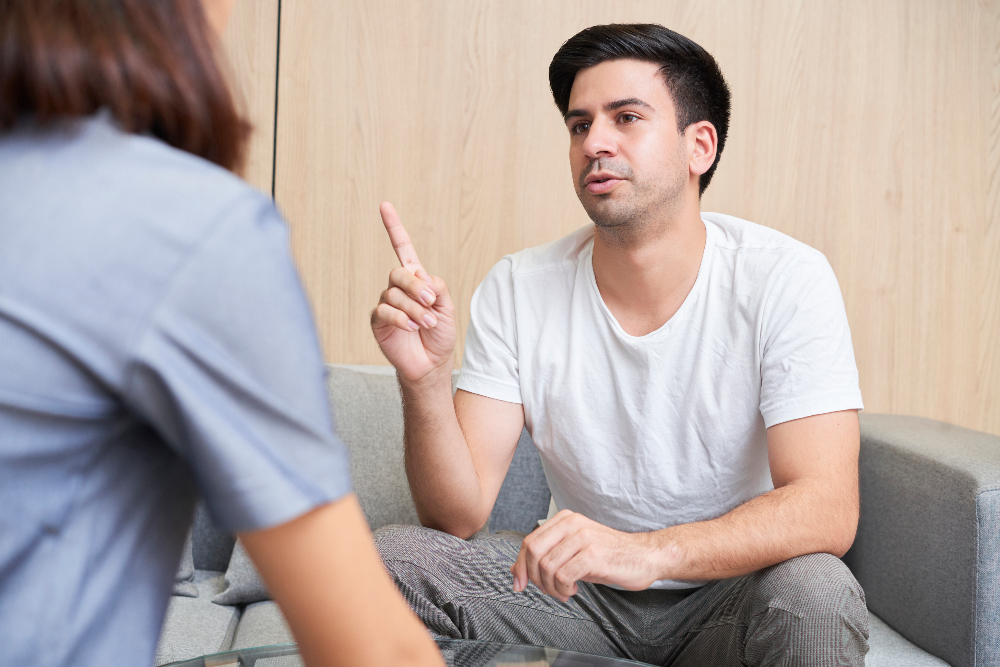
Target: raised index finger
(399,238)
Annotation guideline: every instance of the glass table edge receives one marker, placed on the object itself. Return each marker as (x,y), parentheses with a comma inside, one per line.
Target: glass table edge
(276,650)
(233,657)
(569,653)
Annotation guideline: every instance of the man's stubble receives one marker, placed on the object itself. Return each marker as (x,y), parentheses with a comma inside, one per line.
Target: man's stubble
(627,219)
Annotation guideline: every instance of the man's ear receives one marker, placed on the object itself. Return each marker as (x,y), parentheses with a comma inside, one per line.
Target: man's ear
(702,144)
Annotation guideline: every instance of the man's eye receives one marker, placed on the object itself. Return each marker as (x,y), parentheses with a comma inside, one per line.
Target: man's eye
(580,128)
(628,118)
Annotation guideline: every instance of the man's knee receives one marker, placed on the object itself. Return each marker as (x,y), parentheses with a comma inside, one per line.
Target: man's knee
(811,610)
(414,553)
(416,548)
(810,584)
(406,540)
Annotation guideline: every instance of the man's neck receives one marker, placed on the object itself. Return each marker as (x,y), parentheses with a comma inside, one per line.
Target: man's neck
(645,278)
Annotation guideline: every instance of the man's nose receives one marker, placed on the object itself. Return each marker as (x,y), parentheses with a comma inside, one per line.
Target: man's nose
(601,140)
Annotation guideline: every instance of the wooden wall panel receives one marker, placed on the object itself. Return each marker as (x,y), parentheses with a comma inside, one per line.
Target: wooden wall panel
(985,393)
(870,130)
(251,48)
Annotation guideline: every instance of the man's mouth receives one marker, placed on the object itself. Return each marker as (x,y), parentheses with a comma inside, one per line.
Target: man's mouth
(597,184)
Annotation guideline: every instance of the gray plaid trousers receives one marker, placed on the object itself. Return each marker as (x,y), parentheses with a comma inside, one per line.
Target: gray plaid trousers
(806,612)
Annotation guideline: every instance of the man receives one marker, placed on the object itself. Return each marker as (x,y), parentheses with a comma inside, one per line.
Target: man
(688,379)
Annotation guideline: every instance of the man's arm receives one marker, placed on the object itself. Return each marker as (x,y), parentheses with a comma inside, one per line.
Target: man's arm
(325,574)
(457,454)
(457,450)
(813,508)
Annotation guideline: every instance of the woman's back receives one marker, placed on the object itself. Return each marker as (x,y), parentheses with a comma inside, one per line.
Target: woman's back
(154,333)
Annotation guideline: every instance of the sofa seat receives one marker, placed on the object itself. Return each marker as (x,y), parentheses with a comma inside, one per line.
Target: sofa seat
(196,626)
(262,625)
(888,648)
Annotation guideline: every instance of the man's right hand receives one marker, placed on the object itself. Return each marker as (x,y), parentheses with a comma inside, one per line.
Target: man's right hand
(458,448)
(414,322)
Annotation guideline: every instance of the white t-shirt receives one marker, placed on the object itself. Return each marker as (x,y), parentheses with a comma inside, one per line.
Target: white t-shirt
(644,432)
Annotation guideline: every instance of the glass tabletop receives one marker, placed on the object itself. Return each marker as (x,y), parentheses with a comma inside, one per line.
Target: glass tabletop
(456,652)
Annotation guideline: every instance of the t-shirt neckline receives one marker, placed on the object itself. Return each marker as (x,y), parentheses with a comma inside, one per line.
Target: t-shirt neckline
(682,311)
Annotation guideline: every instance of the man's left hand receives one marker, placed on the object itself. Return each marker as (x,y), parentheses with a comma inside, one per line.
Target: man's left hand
(569,548)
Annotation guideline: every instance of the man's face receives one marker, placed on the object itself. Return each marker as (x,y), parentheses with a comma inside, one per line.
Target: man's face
(629,162)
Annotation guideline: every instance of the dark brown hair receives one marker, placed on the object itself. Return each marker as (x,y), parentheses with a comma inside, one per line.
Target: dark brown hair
(691,74)
(151,63)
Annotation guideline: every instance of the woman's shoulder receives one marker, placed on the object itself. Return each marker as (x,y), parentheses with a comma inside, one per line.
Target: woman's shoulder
(94,162)
(155,166)
(126,204)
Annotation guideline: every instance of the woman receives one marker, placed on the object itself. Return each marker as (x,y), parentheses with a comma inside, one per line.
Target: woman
(155,343)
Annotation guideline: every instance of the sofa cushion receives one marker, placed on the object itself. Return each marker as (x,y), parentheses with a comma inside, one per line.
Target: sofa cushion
(194,626)
(184,579)
(524,496)
(368,417)
(888,648)
(262,625)
(212,545)
(243,584)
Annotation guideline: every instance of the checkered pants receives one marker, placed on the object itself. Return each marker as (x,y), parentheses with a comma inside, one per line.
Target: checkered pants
(808,611)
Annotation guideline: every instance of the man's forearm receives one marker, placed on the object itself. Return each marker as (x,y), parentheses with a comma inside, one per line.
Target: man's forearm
(790,521)
(813,509)
(446,488)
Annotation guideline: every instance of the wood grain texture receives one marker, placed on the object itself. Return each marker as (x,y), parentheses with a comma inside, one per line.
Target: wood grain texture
(986,393)
(869,130)
(251,49)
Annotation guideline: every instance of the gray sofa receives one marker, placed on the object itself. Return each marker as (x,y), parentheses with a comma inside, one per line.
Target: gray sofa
(927,551)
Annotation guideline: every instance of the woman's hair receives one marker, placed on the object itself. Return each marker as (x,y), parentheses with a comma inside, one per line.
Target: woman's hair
(151,63)
(691,74)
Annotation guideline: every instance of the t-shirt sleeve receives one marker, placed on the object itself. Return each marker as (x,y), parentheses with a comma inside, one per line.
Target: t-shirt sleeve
(807,359)
(489,366)
(229,372)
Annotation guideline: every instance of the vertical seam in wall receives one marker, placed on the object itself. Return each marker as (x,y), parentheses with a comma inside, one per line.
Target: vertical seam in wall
(277,73)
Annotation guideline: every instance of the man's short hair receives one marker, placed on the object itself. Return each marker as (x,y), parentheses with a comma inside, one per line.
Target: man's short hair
(692,76)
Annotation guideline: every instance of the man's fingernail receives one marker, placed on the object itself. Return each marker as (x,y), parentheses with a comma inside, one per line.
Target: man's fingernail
(430,320)
(427,296)
(412,325)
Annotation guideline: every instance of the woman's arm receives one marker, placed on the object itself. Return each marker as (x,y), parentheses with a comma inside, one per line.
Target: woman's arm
(343,609)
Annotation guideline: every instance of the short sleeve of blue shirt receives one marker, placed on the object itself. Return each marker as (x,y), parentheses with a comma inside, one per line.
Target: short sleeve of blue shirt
(229,372)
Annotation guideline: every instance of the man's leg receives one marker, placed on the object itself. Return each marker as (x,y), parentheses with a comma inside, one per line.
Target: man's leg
(808,611)
(464,589)
(805,611)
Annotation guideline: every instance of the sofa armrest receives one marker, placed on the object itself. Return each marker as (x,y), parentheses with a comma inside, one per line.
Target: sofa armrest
(927,551)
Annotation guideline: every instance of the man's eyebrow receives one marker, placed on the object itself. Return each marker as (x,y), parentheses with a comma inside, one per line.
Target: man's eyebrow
(630,102)
(611,106)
